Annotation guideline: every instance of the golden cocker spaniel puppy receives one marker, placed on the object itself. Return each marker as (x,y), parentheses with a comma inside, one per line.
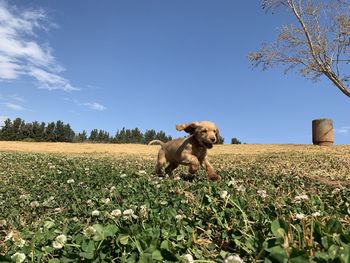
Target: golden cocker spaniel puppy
(190,151)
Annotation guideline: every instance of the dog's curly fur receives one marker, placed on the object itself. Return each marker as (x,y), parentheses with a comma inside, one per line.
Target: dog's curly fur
(190,151)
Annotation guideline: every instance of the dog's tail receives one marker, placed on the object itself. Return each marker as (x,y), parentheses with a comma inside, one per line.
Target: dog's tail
(158,142)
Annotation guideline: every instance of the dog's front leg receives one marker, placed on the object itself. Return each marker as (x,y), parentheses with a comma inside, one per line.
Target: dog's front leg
(192,162)
(212,175)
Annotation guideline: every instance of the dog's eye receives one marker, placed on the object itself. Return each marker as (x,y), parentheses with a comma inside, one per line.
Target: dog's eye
(215,131)
(204,131)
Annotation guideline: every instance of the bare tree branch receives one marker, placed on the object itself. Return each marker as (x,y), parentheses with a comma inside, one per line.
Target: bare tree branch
(318,44)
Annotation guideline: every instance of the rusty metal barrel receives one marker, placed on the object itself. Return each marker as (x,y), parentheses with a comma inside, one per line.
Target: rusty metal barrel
(322,132)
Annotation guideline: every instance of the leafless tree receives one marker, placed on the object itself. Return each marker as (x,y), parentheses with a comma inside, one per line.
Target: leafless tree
(316,45)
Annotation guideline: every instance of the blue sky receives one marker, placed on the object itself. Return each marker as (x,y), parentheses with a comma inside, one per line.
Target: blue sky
(154,63)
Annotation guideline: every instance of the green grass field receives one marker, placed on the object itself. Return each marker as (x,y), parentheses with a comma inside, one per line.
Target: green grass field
(268,207)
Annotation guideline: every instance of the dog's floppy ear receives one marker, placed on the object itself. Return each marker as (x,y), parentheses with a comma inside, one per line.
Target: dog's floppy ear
(189,128)
(218,138)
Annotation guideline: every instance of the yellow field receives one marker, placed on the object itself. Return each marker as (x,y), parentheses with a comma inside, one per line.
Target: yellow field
(145,150)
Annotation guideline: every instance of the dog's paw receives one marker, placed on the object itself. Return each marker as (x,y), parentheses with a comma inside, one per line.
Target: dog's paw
(214,177)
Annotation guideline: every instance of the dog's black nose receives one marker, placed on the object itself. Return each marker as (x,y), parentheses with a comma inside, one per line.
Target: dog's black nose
(213,140)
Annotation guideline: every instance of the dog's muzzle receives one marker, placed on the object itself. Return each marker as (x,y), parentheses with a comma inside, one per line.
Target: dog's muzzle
(208,145)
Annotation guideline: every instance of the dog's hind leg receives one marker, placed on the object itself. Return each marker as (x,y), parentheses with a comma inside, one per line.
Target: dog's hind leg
(161,161)
(170,168)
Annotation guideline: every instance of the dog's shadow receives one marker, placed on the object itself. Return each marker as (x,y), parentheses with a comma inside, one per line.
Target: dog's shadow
(189,177)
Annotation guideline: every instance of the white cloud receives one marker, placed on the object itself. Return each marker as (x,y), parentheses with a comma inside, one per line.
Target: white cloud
(94,106)
(13,106)
(12,102)
(50,81)
(2,120)
(16,98)
(21,54)
(343,130)
(12,97)
(91,105)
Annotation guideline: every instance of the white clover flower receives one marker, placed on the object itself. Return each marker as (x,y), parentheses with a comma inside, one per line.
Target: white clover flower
(95,213)
(113,188)
(223,194)
(262,193)
(87,169)
(336,190)
(142,172)
(233,259)
(59,242)
(116,213)
(128,213)
(177,178)
(3,222)
(70,181)
(188,258)
(49,224)
(34,204)
(180,217)
(58,209)
(316,214)
(163,202)
(301,197)
(89,231)
(18,257)
(89,202)
(23,197)
(19,242)
(105,201)
(240,188)
(232,182)
(143,211)
(57,245)
(122,175)
(48,201)
(300,216)
(9,236)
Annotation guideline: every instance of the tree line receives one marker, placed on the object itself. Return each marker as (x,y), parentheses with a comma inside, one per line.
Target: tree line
(19,130)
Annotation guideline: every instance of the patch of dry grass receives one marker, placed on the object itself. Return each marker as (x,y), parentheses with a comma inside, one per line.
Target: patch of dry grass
(145,150)
(330,165)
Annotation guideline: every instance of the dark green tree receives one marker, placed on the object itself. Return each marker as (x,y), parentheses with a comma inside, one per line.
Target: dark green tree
(69,134)
(59,131)
(18,125)
(7,131)
(93,135)
(235,141)
(50,135)
(120,136)
(221,140)
(103,136)
(38,131)
(162,136)
(136,136)
(149,136)
(81,137)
